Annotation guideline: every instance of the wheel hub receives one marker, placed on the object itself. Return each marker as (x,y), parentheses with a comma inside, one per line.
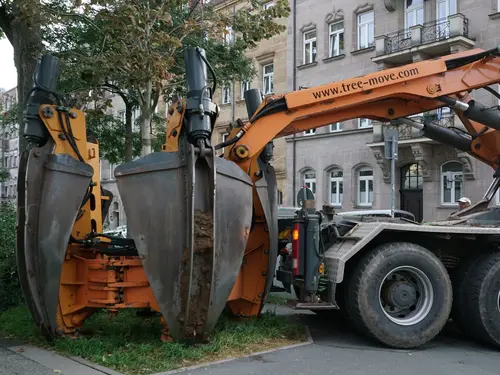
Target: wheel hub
(406,295)
(400,294)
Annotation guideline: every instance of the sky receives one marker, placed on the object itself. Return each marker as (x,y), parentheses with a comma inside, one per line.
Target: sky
(8,72)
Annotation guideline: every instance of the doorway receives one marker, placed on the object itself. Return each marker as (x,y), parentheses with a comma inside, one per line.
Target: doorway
(411,190)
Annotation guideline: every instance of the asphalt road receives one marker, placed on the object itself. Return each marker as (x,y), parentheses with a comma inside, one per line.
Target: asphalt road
(337,350)
(15,364)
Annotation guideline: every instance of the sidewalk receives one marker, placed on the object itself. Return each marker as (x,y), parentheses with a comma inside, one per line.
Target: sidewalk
(18,359)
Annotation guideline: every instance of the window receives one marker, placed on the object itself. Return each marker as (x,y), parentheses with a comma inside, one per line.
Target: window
(268,5)
(309,47)
(228,35)
(245,86)
(451,182)
(336,39)
(111,171)
(364,123)
(336,187)
(121,115)
(225,136)
(268,75)
(366,30)
(338,126)
(135,116)
(280,197)
(365,187)
(226,94)
(310,132)
(414,13)
(411,177)
(445,8)
(310,181)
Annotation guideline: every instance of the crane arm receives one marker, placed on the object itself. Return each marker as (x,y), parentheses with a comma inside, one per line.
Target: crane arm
(386,95)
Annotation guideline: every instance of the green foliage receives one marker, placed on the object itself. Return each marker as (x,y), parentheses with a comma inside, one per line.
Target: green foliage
(4,174)
(8,119)
(136,48)
(10,291)
(131,344)
(110,132)
(158,126)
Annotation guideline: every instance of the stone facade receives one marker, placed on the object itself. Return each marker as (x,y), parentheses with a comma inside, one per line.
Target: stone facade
(9,148)
(269,53)
(376,37)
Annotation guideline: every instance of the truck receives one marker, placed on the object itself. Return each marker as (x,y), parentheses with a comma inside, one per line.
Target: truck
(204,229)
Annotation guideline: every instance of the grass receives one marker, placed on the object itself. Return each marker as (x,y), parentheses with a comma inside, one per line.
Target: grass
(276,300)
(131,344)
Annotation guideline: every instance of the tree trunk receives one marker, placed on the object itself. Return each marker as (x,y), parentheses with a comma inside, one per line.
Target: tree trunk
(129,146)
(26,39)
(146,120)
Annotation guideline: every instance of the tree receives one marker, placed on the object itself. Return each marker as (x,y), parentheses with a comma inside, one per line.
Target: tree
(10,290)
(21,23)
(111,133)
(135,48)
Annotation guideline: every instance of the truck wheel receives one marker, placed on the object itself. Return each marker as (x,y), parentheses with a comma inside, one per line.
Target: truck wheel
(460,281)
(481,300)
(399,294)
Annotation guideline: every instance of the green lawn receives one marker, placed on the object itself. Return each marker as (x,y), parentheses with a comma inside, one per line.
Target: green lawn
(131,344)
(276,299)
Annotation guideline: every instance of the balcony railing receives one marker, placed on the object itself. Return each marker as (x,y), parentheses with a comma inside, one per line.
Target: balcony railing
(408,132)
(398,41)
(421,35)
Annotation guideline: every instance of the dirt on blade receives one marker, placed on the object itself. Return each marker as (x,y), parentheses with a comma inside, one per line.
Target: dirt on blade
(202,277)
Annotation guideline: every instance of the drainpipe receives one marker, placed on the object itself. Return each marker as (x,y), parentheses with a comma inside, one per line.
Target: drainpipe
(294,83)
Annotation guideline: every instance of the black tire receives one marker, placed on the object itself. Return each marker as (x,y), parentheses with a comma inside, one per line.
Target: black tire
(460,281)
(481,300)
(364,300)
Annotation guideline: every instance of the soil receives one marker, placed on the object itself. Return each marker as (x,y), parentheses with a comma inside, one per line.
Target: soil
(202,277)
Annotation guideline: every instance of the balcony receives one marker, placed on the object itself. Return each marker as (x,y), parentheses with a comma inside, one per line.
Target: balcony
(413,146)
(432,39)
(406,132)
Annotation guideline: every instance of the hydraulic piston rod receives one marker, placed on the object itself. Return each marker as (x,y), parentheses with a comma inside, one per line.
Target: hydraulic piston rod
(441,134)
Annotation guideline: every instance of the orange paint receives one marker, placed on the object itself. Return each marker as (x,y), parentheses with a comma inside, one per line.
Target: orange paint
(90,281)
(174,127)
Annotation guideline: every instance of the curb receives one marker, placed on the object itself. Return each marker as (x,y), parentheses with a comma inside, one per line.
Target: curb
(56,362)
(95,366)
(208,364)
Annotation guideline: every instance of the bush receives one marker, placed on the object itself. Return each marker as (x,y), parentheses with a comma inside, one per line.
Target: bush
(10,289)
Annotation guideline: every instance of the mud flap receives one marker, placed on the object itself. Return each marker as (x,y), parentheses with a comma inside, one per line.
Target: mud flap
(190,218)
(49,201)
(267,190)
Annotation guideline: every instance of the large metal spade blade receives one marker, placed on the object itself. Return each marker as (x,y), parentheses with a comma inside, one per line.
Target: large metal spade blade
(189,217)
(44,226)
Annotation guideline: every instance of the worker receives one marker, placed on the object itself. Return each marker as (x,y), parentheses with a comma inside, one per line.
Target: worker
(463,202)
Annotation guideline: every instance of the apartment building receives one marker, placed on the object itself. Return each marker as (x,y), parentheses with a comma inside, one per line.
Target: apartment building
(269,59)
(9,147)
(343,163)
